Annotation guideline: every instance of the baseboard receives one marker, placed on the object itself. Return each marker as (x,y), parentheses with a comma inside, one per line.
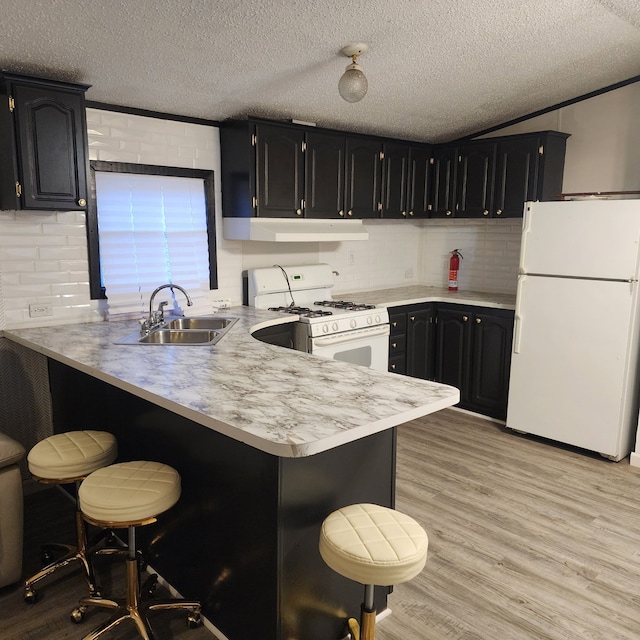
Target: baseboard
(634,459)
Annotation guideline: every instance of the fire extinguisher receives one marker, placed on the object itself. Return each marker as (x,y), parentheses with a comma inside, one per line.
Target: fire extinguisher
(454,265)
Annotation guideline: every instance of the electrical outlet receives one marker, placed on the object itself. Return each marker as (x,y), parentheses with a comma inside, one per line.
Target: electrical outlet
(351,257)
(40,310)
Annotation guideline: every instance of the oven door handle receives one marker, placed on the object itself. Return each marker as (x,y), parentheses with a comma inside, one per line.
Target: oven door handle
(348,336)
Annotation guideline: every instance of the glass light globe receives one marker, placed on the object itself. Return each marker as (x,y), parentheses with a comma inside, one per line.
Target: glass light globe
(353,84)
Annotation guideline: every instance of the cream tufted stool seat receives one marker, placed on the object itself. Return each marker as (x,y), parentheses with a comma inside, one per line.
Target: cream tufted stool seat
(62,459)
(373,545)
(131,494)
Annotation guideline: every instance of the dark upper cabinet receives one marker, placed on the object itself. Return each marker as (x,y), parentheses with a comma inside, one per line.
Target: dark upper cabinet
(395,180)
(284,170)
(474,182)
(494,177)
(324,175)
(279,171)
(363,177)
(443,162)
(44,164)
(419,188)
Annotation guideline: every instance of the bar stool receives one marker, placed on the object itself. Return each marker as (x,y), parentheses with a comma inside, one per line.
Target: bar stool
(62,459)
(373,545)
(131,494)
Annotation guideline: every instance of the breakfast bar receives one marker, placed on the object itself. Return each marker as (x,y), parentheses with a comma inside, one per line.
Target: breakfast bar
(267,440)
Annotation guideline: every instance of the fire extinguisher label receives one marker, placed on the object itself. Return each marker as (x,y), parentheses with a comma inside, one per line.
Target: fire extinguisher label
(453,279)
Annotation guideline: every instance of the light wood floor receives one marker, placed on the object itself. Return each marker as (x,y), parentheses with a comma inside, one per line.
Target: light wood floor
(527,541)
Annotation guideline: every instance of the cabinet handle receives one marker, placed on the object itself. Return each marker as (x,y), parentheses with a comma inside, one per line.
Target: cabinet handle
(412,318)
(448,213)
(393,366)
(404,214)
(299,212)
(395,324)
(485,213)
(410,213)
(341,213)
(394,345)
(465,318)
(499,212)
(82,202)
(350,212)
(478,320)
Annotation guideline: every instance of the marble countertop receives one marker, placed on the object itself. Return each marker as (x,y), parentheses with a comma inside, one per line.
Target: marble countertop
(280,401)
(415,294)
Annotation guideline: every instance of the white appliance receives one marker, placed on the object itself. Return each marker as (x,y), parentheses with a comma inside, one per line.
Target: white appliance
(336,329)
(574,366)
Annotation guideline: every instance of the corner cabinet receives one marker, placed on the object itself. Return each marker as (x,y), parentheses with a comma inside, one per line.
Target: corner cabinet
(44,163)
(466,347)
(494,177)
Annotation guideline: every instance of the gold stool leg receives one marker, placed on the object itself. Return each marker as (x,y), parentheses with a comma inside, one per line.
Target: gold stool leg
(132,607)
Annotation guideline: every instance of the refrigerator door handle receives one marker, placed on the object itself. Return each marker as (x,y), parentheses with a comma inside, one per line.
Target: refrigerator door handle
(517,319)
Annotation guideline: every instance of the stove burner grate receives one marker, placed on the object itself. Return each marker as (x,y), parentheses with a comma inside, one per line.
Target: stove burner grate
(345,304)
(305,312)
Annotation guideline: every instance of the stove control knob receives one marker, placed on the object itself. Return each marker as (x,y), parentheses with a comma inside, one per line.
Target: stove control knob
(334,326)
(369,320)
(377,319)
(325,328)
(353,323)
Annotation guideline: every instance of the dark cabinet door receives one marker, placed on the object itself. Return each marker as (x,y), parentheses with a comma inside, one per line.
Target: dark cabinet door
(419,189)
(363,178)
(420,343)
(395,172)
(516,175)
(279,171)
(324,175)
(491,361)
(50,130)
(476,165)
(453,349)
(443,179)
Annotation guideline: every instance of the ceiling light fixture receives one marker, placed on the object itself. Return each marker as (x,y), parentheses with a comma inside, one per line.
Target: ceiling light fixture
(353,84)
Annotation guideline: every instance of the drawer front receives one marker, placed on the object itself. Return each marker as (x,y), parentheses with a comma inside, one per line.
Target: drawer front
(398,364)
(398,323)
(397,345)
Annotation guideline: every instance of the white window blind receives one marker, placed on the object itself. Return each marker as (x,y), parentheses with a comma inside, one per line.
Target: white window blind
(152,230)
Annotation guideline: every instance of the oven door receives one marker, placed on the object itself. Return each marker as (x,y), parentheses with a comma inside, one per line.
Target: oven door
(367,347)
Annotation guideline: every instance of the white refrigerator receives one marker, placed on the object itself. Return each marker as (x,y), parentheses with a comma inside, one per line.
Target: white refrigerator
(574,365)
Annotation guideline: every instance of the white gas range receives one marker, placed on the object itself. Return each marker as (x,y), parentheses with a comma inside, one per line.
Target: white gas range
(337,329)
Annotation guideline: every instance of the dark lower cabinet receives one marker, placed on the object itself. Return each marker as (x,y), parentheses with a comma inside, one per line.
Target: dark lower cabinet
(466,347)
(473,353)
(420,341)
(411,340)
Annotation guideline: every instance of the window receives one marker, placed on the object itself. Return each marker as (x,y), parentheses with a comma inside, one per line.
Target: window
(147,226)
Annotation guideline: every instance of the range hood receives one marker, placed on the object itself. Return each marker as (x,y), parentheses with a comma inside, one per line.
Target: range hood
(293,230)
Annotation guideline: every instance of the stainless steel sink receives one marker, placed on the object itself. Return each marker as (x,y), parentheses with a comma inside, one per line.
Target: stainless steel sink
(173,336)
(202,330)
(202,322)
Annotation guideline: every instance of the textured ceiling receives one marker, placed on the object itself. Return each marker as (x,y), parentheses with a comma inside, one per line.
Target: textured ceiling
(437,69)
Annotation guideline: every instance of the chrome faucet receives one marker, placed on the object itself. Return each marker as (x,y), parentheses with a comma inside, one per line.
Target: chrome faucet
(156,318)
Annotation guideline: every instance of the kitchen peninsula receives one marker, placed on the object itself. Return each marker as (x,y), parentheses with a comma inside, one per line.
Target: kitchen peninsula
(267,440)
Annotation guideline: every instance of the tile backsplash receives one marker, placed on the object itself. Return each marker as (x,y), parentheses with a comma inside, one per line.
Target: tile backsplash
(43,255)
